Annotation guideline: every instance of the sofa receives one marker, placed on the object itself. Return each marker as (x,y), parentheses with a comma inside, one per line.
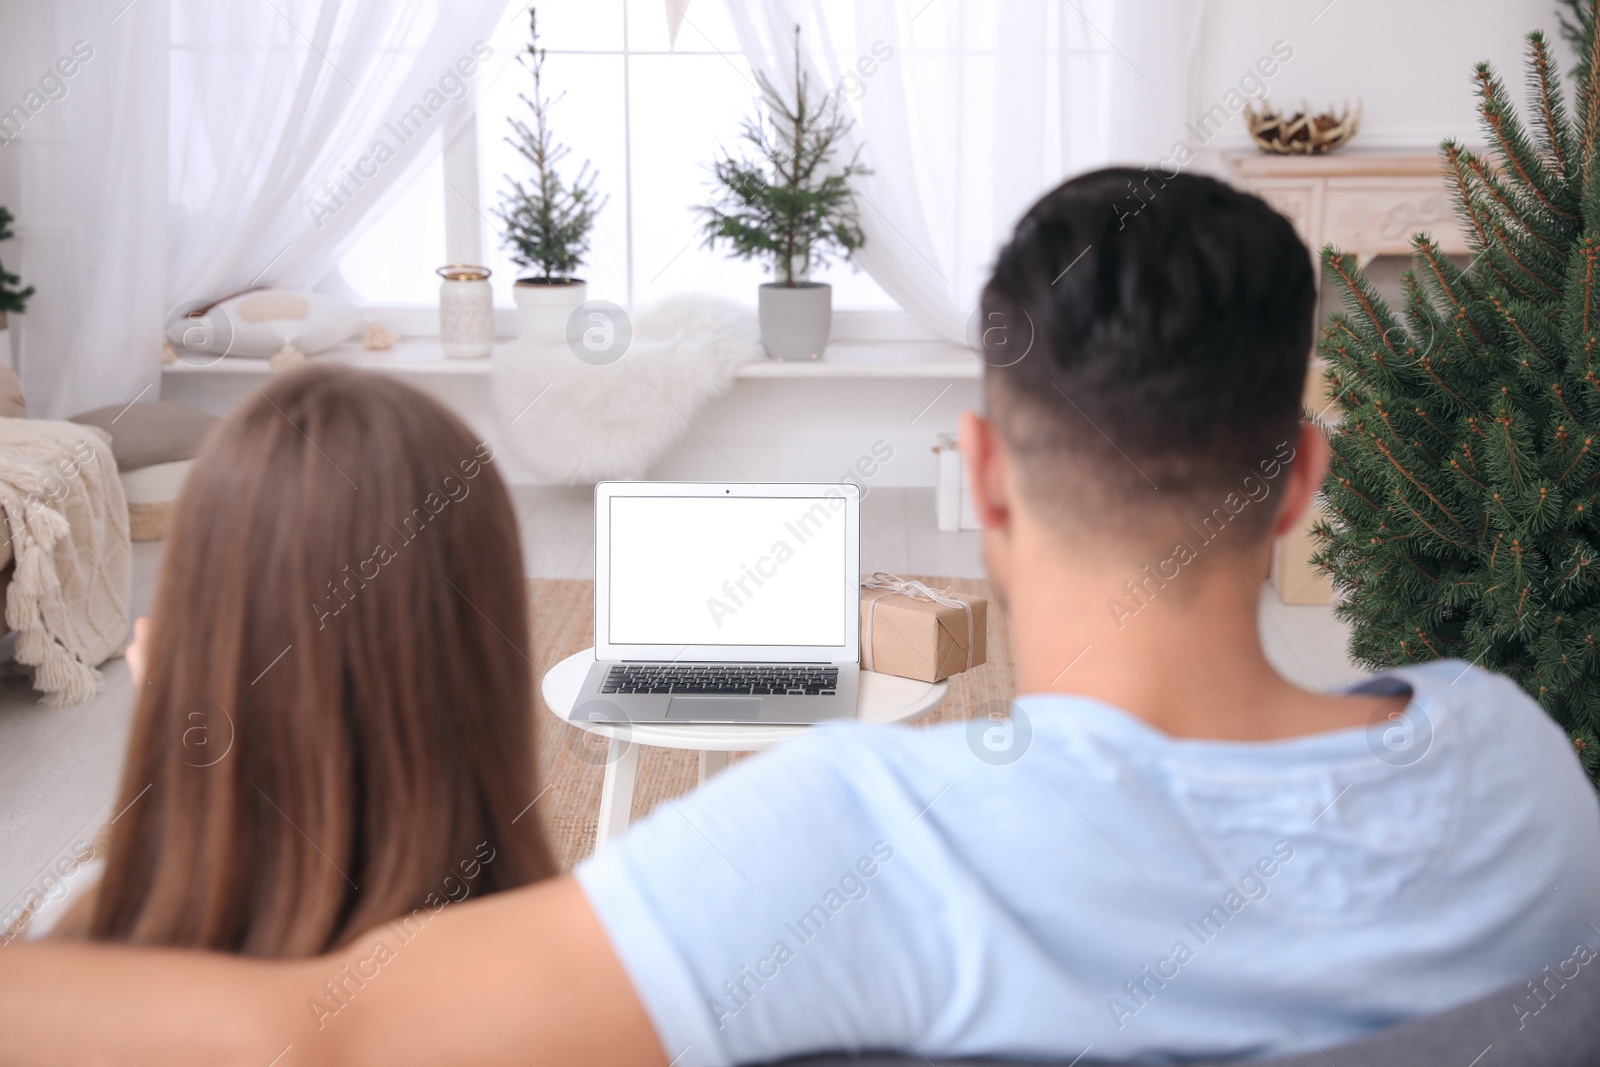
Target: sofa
(1508,1028)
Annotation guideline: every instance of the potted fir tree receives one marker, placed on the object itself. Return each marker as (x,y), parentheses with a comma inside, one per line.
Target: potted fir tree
(548,221)
(791,206)
(11,298)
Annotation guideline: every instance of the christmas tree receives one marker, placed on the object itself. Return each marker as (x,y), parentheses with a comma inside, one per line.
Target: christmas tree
(547,223)
(1465,482)
(11,298)
(792,204)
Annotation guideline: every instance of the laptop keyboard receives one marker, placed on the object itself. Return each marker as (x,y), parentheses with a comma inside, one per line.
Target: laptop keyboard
(701,678)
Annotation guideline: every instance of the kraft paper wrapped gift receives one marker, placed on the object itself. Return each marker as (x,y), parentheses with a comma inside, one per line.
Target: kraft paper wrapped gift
(913,631)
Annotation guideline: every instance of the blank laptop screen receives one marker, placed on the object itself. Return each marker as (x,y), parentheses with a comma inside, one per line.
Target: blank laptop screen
(728,571)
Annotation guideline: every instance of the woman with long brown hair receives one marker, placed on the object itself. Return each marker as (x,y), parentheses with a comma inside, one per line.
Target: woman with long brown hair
(334,720)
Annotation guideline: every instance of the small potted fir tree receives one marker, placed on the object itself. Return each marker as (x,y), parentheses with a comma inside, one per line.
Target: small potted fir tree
(548,220)
(11,297)
(791,206)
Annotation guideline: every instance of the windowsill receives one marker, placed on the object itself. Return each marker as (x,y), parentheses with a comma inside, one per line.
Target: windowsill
(842,359)
(421,321)
(874,359)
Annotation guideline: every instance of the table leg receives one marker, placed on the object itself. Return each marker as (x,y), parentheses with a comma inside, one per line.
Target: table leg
(712,763)
(616,791)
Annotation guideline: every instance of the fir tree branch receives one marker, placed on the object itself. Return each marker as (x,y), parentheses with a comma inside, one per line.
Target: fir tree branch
(1508,135)
(1579,309)
(1455,463)
(1358,291)
(1589,94)
(1555,130)
(1508,206)
(1561,398)
(1427,367)
(1581,455)
(1461,194)
(1383,448)
(1431,528)
(1518,328)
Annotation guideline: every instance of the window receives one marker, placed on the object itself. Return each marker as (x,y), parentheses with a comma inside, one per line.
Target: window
(392,262)
(649,116)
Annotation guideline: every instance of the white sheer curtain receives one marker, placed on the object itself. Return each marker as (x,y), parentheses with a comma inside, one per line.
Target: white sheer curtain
(202,148)
(968,111)
(292,120)
(83,167)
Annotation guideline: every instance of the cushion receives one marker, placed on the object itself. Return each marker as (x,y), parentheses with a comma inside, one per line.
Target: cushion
(13,405)
(257,324)
(158,483)
(1560,1033)
(143,435)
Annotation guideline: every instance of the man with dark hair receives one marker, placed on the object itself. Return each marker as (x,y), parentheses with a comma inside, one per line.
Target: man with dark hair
(1165,850)
(1141,365)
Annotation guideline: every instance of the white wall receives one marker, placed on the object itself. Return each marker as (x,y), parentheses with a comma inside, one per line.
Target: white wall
(1409,61)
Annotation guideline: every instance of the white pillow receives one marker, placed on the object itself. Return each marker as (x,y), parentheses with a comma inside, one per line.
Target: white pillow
(256,325)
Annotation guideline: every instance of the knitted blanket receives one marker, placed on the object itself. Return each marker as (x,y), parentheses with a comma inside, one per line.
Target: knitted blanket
(68,525)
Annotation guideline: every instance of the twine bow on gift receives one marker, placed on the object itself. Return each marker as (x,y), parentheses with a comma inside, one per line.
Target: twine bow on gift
(915,590)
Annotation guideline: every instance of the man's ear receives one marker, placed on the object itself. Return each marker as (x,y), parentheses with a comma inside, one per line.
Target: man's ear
(1306,471)
(988,473)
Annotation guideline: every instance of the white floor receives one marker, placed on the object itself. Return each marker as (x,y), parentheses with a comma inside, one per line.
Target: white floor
(59,766)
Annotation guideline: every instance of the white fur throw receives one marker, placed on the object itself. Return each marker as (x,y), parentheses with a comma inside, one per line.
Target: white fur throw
(592,423)
(68,524)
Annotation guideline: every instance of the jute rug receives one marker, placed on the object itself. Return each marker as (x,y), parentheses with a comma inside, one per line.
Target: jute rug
(572,762)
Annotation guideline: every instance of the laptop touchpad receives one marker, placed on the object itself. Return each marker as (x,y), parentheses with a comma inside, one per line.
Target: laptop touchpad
(714,709)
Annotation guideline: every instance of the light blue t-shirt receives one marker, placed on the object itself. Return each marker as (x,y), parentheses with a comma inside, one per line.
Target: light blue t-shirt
(1078,881)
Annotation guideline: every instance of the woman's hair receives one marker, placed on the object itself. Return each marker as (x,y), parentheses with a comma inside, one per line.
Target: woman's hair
(335,724)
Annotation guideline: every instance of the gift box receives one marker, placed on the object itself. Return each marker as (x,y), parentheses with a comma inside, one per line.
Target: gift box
(913,631)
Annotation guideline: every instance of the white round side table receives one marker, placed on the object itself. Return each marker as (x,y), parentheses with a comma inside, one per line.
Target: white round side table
(882,698)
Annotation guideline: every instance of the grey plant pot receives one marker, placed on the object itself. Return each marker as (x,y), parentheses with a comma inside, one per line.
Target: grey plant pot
(795,321)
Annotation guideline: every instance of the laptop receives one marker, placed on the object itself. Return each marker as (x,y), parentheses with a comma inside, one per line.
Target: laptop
(718,602)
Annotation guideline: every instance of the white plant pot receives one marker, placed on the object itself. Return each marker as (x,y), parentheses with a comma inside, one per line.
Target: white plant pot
(795,321)
(543,310)
(6,358)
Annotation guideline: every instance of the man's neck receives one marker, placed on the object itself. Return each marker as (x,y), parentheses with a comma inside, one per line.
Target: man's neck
(1183,653)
